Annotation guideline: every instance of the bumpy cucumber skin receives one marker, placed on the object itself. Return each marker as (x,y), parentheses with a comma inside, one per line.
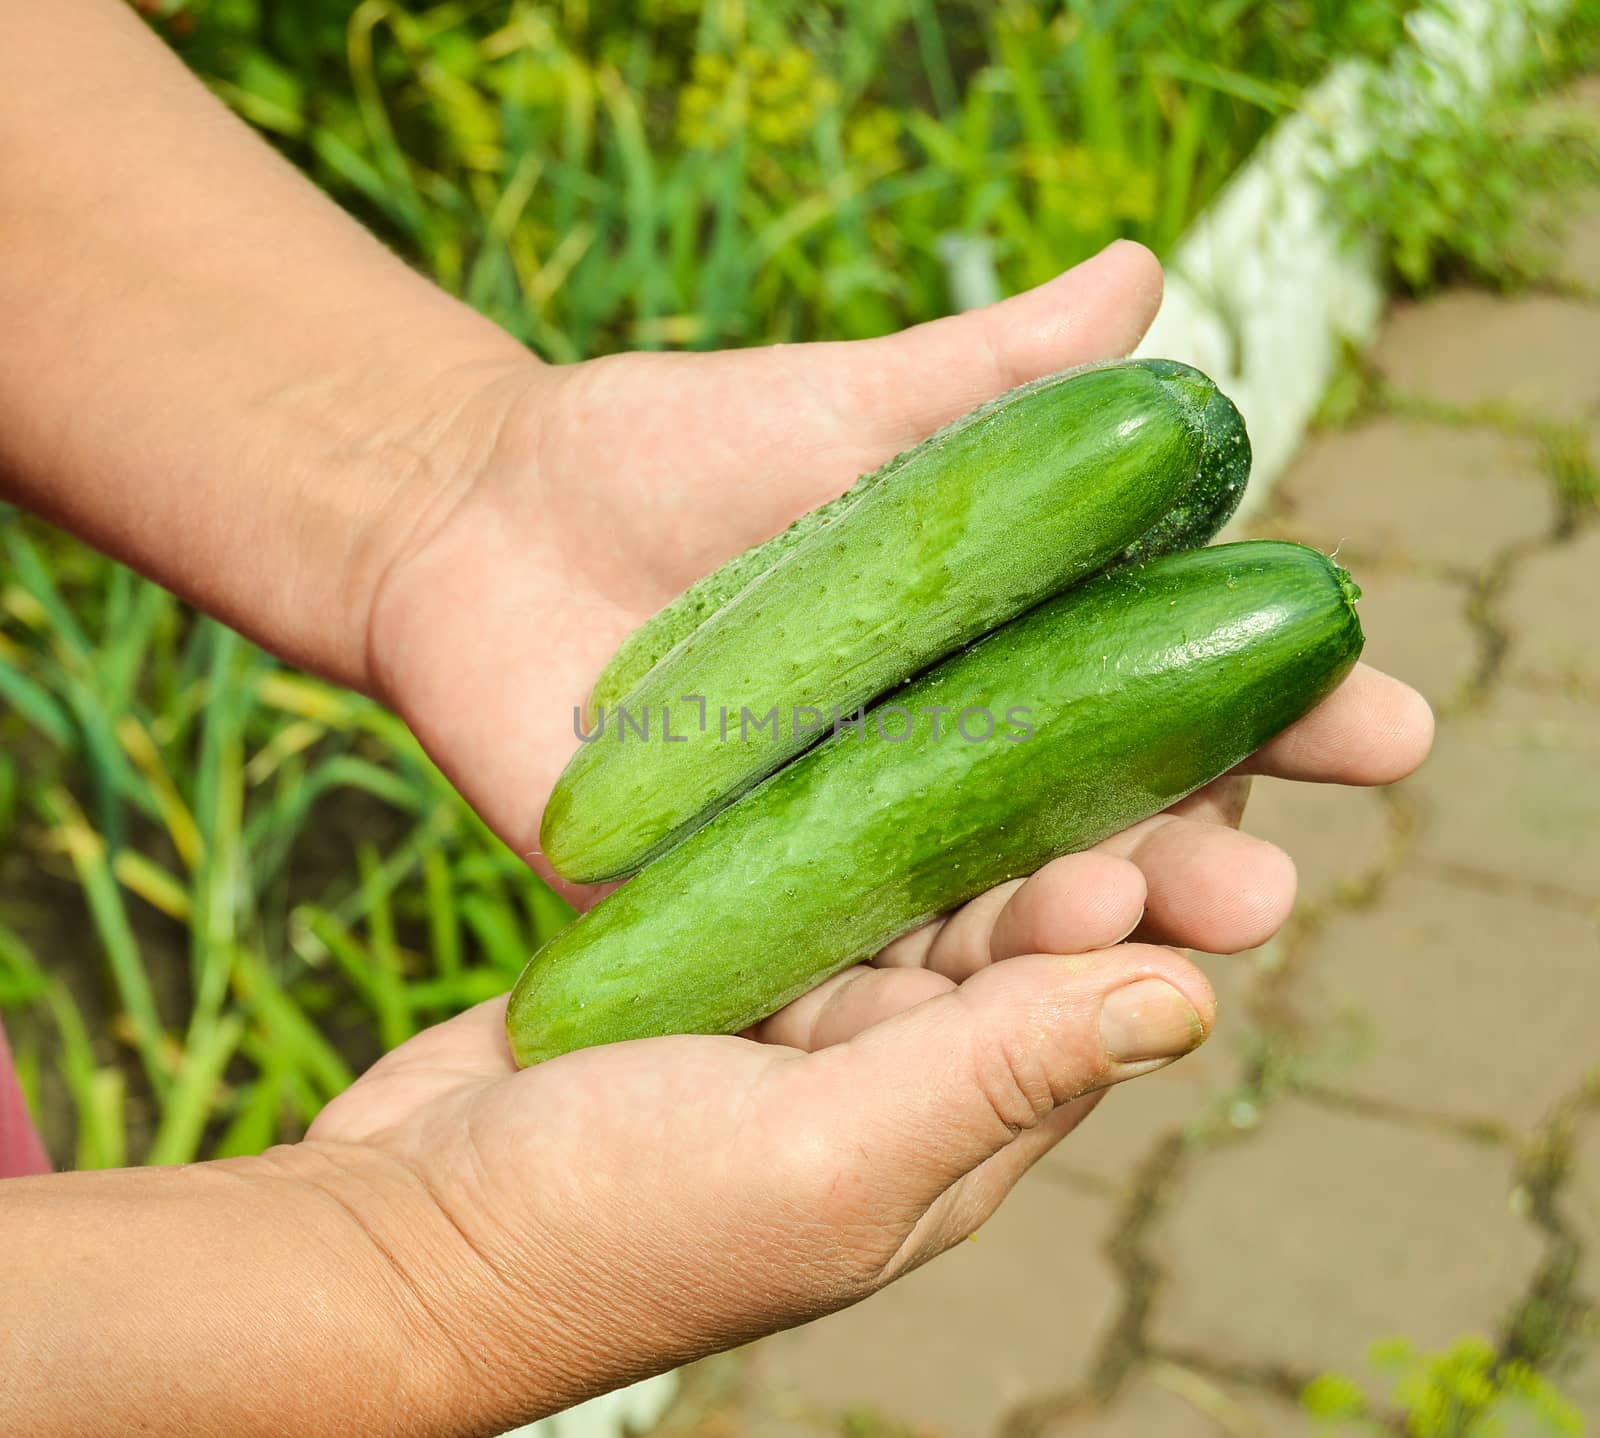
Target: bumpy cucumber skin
(1141,686)
(1020,500)
(1199,511)
(644,648)
(1214,490)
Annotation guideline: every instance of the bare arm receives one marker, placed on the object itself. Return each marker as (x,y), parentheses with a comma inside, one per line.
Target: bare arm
(207,369)
(241,1297)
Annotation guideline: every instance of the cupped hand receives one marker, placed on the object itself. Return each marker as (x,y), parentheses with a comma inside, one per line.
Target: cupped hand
(559,1231)
(568,1228)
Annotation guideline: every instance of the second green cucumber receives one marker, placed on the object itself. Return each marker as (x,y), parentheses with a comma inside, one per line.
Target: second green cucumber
(1089,713)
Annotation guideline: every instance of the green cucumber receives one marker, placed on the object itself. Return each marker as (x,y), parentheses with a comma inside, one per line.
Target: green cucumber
(1135,689)
(1023,498)
(644,648)
(1196,516)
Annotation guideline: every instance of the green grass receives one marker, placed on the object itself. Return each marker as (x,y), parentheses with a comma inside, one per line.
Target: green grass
(170,788)
(1483,196)
(600,176)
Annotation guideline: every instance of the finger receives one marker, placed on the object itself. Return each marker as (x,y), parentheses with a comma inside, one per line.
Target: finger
(958,944)
(844,1005)
(1207,886)
(946,1085)
(1074,904)
(1371,730)
(1071,906)
(971,1201)
(929,374)
(910,950)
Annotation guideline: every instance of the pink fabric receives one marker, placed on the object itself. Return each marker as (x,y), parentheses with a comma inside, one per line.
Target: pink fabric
(21,1152)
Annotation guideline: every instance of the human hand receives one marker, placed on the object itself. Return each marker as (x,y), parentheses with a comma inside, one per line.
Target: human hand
(612,485)
(459,1246)
(313,443)
(623,1209)
(619,1210)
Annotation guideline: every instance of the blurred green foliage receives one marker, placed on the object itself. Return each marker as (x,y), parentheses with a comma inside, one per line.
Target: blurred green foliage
(1468,1390)
(701,173)
(239,884)
(1480,195)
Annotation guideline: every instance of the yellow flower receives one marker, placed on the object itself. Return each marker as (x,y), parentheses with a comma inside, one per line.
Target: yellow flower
(1094,186)
(710,68)
(873,134)
(774,94)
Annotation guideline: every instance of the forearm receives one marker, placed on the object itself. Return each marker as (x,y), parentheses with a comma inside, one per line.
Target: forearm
(231,1298)
(207,368)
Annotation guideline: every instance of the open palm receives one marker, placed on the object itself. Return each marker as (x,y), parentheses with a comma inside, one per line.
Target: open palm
(621,1209)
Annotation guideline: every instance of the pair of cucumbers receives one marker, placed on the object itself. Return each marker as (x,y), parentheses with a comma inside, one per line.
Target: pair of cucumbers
(1090,666)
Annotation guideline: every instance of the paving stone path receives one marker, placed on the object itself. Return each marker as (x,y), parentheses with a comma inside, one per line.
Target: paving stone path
(1395,1131)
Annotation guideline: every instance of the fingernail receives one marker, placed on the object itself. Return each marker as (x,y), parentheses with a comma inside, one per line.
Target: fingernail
(1148,1019)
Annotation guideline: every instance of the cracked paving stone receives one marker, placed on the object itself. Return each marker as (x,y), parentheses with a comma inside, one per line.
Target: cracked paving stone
(1166,1401)
(1335,835)
(1516,1417)
(1460,1002)
(1417,629)
(1548,610)
(1576,1377)
(1108,1147)
(1406,492)
(737,1405)
(1512,792)
(958,1343)
(1533,354)
(1327,1231)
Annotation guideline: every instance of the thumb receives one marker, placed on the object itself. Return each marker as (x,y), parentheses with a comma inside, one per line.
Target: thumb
(958,1078)
(933,372)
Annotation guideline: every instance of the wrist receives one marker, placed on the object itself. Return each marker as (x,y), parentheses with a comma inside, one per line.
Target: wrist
(482,1320)
(393,455)
(210,372)
(408,1279)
